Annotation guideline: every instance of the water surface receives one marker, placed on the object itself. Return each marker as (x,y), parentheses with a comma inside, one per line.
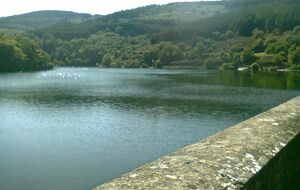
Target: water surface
(75,128)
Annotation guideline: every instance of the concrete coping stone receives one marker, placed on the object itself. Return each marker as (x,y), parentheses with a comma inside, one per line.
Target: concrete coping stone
(226,160)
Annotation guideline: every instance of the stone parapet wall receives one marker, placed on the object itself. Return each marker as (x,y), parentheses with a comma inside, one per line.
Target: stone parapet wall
(260,153)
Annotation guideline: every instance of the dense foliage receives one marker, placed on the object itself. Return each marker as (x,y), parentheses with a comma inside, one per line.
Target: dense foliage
(258,34)
(22,53)
(144,20)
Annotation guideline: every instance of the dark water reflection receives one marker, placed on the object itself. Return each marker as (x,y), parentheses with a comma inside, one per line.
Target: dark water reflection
(269,80)
(77,128)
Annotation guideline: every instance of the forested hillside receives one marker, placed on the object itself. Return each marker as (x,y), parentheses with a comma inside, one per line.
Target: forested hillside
(22,53)
(258,34)
(149,19)
(41,19)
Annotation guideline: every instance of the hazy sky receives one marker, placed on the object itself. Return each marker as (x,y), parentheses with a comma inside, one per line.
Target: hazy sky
(13,7)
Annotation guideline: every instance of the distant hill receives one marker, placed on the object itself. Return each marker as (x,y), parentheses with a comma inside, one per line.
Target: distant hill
(259,34)
(138,21)
(41,19)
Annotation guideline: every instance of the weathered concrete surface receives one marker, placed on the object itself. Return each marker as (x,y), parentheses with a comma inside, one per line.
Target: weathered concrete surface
(282,172)
(231,159)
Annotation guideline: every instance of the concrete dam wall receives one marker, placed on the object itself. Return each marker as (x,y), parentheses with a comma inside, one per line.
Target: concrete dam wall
(261,153)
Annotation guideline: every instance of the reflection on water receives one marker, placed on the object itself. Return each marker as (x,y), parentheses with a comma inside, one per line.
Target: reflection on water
(77,128)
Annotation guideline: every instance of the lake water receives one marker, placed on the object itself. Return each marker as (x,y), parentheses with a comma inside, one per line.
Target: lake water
(76,128)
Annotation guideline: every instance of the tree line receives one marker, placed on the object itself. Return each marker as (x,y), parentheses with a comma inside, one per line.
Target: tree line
(261,35)
(22,53)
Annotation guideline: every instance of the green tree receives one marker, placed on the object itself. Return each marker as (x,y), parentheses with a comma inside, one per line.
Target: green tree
(294,56)
(198,50)
(258,34)
(258,46)
(277,47)
(107,60)
(247,57)
(150,56)
(90,53)
(169,53)
(11,56)
(22,53)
